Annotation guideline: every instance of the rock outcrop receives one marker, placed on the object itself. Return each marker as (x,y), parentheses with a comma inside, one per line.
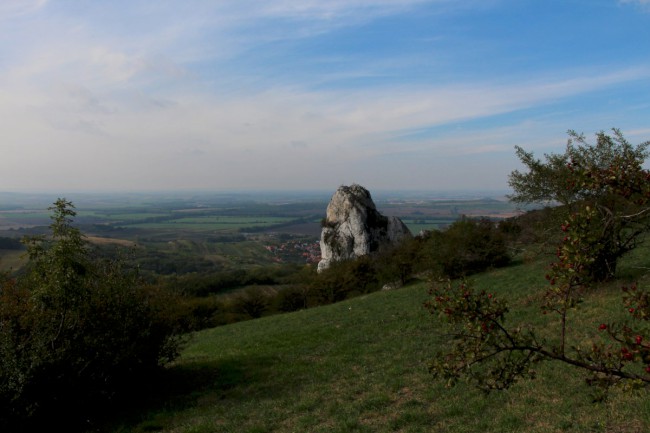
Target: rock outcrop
(353,227)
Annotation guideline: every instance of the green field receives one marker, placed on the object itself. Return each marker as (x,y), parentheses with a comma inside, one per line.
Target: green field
(361,366)
(195,233)
(210,223)
(418,225)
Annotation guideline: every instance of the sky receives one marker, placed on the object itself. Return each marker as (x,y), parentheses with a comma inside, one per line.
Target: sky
(182,95)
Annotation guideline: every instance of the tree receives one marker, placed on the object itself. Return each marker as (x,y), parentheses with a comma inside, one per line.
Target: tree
(76,329)
(494,356)
(613,209)
(607,177)
(468,246)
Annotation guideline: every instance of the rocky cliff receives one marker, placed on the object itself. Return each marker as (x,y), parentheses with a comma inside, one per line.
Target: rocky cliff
(353,227)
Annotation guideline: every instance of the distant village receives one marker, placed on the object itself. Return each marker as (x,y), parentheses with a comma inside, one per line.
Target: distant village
(295,251)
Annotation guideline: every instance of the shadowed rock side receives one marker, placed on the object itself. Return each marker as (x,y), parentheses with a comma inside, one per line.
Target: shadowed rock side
(353,227)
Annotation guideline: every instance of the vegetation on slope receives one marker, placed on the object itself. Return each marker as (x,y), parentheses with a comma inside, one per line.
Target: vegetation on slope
(362,365)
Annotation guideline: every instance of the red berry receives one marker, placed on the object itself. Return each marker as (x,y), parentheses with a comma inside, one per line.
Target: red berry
(602,327)
(631,310)
(638,339)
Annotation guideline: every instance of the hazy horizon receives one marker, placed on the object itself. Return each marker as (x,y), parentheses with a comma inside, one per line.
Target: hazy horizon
(396,95)
(323,194)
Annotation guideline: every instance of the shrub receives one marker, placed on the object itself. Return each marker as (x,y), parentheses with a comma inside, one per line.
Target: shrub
(76,330)
(344,279)
(468,246)
(253,302)
(292,298)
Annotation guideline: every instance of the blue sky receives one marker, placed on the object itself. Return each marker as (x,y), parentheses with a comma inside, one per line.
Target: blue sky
(135,95)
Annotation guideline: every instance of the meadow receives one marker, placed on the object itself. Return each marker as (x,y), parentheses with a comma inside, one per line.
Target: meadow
(361,365)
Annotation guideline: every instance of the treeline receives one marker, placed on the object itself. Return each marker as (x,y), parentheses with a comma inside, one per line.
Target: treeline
(10,244)
(467,246)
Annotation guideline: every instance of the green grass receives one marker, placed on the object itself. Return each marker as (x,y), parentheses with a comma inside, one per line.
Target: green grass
(211,223)
(361,366)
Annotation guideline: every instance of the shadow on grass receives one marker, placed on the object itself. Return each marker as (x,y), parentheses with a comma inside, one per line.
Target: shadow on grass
(186,385)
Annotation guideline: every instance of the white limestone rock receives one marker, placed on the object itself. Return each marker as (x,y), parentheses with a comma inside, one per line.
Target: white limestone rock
(353,227)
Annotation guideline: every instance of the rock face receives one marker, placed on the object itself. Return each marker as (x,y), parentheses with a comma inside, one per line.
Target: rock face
(353,227)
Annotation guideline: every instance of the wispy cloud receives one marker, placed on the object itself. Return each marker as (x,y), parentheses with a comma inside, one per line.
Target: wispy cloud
(11,9)
(276,88)
(644,5)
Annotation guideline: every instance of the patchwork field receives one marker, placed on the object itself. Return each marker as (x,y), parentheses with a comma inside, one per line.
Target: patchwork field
(199,232)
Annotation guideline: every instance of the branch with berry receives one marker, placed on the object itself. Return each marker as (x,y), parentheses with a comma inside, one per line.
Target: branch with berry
(483,350)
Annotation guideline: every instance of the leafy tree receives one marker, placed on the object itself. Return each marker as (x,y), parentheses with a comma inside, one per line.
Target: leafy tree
(468,246)
(607,176)
(397,263)
(485,349)
(344,279)
(253,301)
(75,330)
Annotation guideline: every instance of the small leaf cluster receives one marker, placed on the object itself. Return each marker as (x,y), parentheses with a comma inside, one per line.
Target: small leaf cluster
(481,348)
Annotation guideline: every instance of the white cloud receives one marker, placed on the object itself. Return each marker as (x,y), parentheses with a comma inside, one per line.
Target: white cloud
(335,9)
(81,103)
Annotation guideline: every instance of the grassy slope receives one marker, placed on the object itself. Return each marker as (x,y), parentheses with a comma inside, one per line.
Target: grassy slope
(361,366)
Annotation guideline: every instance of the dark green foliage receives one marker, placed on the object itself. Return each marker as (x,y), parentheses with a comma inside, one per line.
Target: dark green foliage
(223,297)
(252,302)
(534,227)
(292,298)
(607,176)
(75,331)
(204,284)
(10,244)
(468,246)
(345,279)
(398,262)
(609,198)
(198,313)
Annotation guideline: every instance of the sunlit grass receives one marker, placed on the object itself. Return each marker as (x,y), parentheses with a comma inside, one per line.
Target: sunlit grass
(361,366)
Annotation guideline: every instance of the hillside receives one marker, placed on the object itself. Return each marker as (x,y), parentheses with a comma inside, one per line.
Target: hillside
(361,366)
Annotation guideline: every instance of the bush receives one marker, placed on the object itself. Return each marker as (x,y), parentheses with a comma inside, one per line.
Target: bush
(252,302)
(398,263)
(76,330)
(468,246)
(292,298)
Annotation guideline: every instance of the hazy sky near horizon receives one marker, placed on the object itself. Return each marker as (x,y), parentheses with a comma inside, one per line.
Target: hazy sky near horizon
(135,95)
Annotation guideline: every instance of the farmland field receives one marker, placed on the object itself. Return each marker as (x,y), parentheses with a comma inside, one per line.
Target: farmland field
(199,232)
(211,223)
